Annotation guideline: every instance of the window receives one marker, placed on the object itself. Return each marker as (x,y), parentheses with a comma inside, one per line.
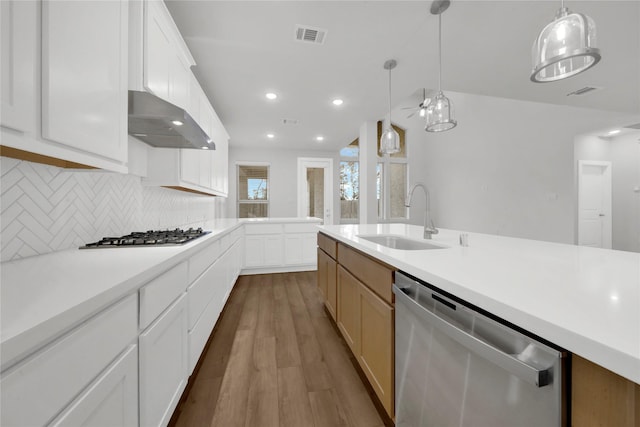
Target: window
(253,191)
(349,183)
(392,176)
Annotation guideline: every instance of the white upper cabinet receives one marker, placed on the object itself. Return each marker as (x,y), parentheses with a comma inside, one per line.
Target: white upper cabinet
(161,64)
(167,60)
(84,76)
(18,22)
(64,82)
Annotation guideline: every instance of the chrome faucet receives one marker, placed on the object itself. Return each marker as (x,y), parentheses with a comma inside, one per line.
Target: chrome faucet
(429,228)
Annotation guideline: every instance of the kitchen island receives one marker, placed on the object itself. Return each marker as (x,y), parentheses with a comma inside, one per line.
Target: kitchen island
(585,300)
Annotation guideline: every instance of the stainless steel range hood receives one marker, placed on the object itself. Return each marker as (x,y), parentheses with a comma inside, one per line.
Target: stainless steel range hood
(162,124)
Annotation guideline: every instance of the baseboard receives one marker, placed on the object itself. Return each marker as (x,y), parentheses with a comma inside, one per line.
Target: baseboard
(283,269)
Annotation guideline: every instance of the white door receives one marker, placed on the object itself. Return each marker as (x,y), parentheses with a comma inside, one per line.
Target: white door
(594,204)
(315,188)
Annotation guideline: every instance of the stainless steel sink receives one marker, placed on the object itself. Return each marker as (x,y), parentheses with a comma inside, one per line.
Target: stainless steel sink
(398,242)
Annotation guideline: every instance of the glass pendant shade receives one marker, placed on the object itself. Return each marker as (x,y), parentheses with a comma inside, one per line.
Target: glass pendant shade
(389,141)
(564,48)
(440,114)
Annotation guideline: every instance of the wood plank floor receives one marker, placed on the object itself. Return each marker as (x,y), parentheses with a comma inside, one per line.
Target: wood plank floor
(275,359)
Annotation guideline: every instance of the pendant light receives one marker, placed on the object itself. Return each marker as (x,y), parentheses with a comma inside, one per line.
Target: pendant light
(440,110)
(565,47)
(390,140)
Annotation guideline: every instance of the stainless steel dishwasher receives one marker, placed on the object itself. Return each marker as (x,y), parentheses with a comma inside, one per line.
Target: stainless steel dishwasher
(458,366)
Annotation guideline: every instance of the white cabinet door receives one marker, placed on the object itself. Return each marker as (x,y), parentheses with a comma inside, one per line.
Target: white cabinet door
(190,166)
(157,50)
(263,251)
(111,400)
(254,251)
(18,21)
(84,75)
(273,255)
(179,82)
(163,365)
(220,168)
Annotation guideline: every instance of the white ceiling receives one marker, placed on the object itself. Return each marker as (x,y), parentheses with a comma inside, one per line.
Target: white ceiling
(244,49)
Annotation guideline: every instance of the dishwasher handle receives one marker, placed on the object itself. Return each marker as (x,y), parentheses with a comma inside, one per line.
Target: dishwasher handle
(515,366)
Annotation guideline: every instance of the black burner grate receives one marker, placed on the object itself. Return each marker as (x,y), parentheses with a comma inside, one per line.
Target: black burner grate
(149,238)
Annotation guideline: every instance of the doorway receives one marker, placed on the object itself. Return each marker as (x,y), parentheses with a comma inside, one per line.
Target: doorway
(315,189)
(594,204)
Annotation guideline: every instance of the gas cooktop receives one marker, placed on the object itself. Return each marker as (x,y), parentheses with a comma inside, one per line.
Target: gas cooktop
(149,238)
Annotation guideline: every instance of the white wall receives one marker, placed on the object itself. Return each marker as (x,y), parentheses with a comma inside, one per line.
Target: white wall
(283,174)
(624,154)
(507,168)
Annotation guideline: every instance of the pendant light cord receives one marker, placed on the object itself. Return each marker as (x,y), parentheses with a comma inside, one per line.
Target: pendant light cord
(389,97)
(440,52)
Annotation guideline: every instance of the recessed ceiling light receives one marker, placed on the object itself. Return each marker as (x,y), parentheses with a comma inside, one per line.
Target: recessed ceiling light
(319,138)
(270,136)
(177,122)
(205,148)
(337,101)
(613,132)
(271,96)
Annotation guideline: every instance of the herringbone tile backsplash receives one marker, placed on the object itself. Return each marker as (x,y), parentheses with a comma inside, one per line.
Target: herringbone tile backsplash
(46,209)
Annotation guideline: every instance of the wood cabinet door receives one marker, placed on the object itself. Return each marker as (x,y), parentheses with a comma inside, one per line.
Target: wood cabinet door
(348,313)
(332,287)
(85,76)
(376,356)
(111,400)
(323,271)
(163,364)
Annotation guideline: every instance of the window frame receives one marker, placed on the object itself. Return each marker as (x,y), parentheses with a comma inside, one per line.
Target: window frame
(239,201)
(356,159)
(386,160)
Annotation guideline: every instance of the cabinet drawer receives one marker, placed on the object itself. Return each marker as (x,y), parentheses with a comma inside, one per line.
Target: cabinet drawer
(202,290)
(161,292)
(378,277)
(202,260)
(38,389)
(328,245)
(199,335)
(263,228)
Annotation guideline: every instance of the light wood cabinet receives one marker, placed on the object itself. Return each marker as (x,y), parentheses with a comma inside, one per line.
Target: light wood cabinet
(600,397)
(376,353)
(357,293)
(348,313)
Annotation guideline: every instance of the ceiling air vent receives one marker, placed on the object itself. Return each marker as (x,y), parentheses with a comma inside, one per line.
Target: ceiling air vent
(290,122)
(310,34)
(584,90)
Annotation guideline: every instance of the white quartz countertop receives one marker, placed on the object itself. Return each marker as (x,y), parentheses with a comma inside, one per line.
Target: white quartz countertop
(586,300)
(43,296)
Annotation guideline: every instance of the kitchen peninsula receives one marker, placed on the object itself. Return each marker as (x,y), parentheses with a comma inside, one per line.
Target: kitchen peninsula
(585,300)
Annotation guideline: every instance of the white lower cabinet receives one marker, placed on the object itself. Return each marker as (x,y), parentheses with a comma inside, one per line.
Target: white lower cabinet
(45,383)
(111,400)
(271,248)
(163,364)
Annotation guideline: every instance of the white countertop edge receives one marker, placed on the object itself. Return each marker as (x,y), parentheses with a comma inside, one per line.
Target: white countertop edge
(621,363)
(20,341)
